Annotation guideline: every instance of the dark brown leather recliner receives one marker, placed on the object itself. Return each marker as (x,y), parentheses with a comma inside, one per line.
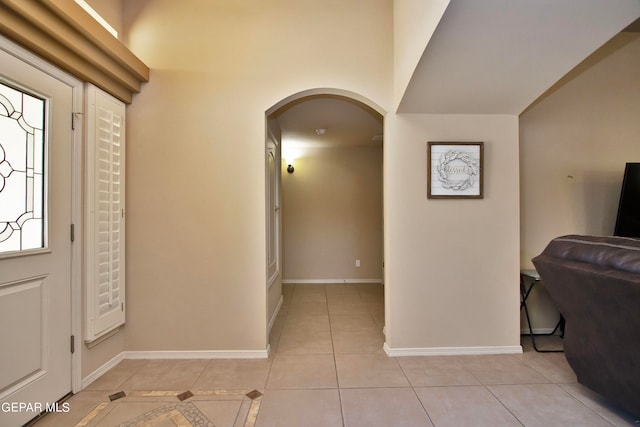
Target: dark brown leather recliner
(595,283)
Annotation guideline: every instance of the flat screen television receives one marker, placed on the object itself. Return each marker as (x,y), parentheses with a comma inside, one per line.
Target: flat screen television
(628,220)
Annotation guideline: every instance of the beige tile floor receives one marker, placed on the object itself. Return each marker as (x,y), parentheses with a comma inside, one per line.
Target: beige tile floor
(327,368)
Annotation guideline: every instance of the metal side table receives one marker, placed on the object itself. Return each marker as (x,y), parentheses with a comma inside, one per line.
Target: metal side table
(533,278)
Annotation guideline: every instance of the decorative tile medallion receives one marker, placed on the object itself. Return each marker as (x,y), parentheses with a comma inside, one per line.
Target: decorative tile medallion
(181,414)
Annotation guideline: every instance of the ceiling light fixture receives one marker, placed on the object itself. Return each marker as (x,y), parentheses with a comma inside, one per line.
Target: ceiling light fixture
(321,131)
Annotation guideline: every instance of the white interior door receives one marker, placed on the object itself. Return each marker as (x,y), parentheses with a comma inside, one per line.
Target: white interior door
(35,243)
(273,210)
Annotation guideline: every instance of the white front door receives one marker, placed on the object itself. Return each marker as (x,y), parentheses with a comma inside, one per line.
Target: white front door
(35,244)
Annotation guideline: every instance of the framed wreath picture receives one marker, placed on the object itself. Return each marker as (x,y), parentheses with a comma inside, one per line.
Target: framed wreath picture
(454,170)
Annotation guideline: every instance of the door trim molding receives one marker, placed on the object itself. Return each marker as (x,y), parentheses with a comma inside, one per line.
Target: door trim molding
(76,194)
(273,148)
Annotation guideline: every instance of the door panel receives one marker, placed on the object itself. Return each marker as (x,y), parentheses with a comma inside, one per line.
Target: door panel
(22,301)
(35,267)
(273,211)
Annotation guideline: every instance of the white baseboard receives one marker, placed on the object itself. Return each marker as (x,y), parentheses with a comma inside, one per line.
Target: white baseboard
(451,351)
(157,355)
(331,281)
(275,314)
(199,354)
(102,370)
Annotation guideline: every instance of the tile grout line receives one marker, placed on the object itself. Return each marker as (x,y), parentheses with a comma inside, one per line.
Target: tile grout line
(504,405)
(415,393)
(204,368)
(335,362)
(582,403)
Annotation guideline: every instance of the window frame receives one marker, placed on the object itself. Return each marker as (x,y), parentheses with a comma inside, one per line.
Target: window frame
(101,324)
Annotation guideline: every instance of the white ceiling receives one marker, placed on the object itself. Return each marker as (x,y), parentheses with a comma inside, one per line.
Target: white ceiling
(486,57)
(346,123)
(498,56)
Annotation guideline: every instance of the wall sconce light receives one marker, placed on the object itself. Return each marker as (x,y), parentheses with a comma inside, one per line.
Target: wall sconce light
(289,155)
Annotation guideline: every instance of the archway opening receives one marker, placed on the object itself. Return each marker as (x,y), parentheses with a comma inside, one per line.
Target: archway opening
(325,216)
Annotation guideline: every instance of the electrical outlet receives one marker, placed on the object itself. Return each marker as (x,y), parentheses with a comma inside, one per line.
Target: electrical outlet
(358,263)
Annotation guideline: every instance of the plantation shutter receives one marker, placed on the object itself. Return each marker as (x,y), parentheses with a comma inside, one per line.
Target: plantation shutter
(105,263)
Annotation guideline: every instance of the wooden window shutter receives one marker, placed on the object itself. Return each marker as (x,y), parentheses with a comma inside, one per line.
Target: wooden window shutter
(105,215)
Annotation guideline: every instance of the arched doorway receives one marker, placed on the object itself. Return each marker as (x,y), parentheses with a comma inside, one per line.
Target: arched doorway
(328,211)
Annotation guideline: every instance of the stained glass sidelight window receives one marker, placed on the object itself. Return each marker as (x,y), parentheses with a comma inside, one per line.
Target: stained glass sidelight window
(22,170)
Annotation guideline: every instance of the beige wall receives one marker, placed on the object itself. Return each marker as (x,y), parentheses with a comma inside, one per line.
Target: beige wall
(574,144)
(414,23)
(196,220)
(196,134)
(332,215)
(452,265)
